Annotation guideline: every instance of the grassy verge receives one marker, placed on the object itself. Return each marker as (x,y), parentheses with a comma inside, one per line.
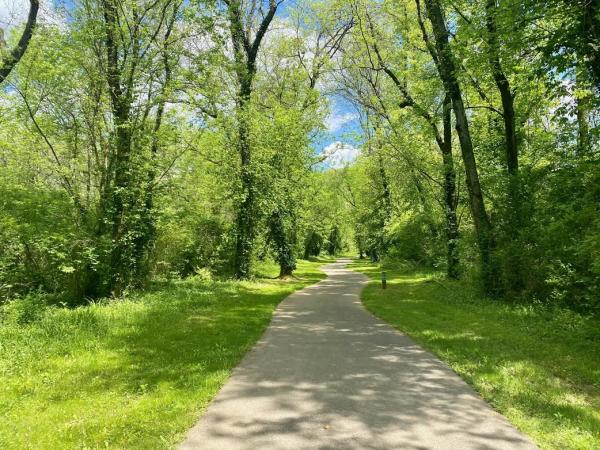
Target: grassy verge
(538,367)
(131,373)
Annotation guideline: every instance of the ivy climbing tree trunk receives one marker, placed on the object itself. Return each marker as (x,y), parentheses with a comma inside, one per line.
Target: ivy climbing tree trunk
(245,53)
(130,31)
(145,238)
(284,251)
(119,195)
(450,201)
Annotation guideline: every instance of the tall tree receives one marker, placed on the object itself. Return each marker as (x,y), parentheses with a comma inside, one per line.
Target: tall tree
(443,138)
(507,96)
(313,57)
(246,51)
(169,58)
(134,38)
(126,47)
(448,71)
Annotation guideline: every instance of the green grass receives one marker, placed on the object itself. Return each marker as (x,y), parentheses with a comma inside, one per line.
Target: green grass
(130,373)
(539,367)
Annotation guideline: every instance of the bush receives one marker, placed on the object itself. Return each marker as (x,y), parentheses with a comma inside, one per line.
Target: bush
(184,247)
(42,247)
(413,238)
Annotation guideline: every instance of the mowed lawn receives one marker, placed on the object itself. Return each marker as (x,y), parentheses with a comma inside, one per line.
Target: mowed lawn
(539,367)
(133,373)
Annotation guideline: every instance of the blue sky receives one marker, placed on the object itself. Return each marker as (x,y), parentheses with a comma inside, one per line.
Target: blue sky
(343,133)
(343,122)
(343,127)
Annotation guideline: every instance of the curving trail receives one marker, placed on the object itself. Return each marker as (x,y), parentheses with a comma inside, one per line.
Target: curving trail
(329,375)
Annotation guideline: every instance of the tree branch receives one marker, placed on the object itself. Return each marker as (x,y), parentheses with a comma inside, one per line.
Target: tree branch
(17,53)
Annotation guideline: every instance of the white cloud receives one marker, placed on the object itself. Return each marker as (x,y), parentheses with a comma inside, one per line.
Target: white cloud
(340,154)
(336,121)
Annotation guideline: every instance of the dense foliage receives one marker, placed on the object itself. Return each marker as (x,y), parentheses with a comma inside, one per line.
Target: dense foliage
(157,154)
(162,139)
(481,151)
(134,143)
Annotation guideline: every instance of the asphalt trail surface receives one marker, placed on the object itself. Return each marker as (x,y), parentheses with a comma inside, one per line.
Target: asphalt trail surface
(328,375)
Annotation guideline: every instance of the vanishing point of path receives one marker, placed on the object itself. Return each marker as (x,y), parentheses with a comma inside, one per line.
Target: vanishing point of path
(329,375)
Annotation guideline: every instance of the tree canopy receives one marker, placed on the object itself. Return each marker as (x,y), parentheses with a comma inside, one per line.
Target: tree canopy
(146,139)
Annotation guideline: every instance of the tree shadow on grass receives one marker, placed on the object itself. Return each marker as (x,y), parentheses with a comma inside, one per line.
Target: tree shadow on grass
(521,360)
(160,363)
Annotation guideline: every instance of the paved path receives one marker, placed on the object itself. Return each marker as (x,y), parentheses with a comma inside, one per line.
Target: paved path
(328,375)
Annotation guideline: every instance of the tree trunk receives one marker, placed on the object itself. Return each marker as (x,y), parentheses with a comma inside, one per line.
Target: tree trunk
(515,212)
(503,85)
(387,205)
(583,111)
(120,262)
(284,252)
(445,145)
(508,103)
(245,53)
(245,217)
(452,260)
(591,34)
(448,70)
(147,233)
(120,192)
(385,188)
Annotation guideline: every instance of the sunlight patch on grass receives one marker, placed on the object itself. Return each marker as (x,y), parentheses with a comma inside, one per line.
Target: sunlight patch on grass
(129,373)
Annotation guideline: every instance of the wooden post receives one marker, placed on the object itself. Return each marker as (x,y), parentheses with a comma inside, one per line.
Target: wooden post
(383,280)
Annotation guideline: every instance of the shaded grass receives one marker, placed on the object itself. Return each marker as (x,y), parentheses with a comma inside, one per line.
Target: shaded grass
(130,373)
(539,367)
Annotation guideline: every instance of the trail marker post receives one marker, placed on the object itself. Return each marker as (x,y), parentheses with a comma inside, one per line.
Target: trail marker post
(383,280)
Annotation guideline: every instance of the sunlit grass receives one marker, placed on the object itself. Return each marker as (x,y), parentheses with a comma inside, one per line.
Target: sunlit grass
(132,373)
(539,367)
